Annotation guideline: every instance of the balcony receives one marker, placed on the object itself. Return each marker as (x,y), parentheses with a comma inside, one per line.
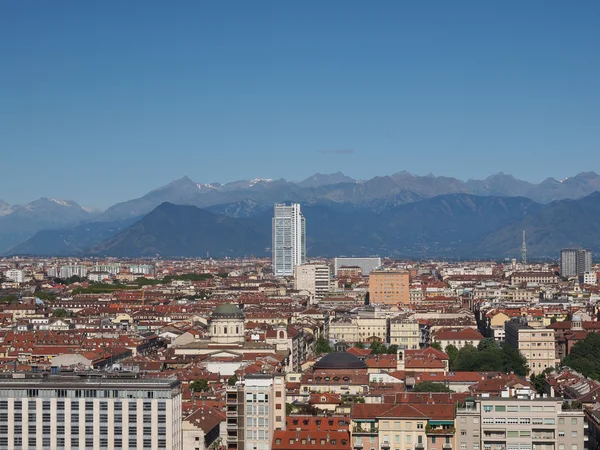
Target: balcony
(542,436)
(419,446)
(436,431)
(447,445)
(360,430)
(385,445)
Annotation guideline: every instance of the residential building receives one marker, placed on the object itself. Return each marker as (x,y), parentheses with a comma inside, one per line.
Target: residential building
(255,409)
(575,261)
(367,265)
(541,278)
(405,333)
(359,329)
(15,275)
(289,239)
(457,337)
(101,410)
(71,270)
(314,278)
(537,345)
(518,423)
(391,287)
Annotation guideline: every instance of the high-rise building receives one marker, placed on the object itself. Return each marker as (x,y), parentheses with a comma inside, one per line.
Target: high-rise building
(389,287)
(255,409)
(537,345)
(289,239)
(575,261)
(314,278)
(103,410)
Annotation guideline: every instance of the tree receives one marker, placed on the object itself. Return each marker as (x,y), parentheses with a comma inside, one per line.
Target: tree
(392,349)
(377,348)
(289,409)
(360,345)
(232,380)
(487,344)
(491,358)
(452,353)
(430,386)
(436,345)
(200,385)
(323,346)
(585,356)
(60,313)
(539,381)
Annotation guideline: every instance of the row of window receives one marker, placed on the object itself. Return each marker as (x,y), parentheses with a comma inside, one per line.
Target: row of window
(89,405)
(518,408)
(84,393)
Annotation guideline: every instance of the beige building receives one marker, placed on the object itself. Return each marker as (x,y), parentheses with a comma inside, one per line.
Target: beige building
(314,278)
(390,287)
(405,333)
(255,409)
(504,423)
(358,329)
(106,410)
(535,344)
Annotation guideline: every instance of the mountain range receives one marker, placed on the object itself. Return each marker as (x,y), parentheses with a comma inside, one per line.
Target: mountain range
(400,214)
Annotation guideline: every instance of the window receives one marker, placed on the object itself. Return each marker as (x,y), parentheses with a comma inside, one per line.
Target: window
(500,408)
(574,421)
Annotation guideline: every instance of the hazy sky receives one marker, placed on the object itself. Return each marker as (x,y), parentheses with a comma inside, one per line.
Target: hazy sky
(102,101)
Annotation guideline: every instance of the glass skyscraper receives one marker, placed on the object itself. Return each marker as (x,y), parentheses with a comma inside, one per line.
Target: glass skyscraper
(289,239)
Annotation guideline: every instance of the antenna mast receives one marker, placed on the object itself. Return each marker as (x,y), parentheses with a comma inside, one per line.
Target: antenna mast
(524,250)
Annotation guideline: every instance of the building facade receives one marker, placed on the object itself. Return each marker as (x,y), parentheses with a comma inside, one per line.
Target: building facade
(289,239)
(537,345)
(255,409)
(314,278)
(505,423)
(389,287)
(575,261)
(107,410)
(405,333)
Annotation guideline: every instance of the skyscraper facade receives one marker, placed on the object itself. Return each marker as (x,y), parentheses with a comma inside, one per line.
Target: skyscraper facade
(575,261)
(289,239)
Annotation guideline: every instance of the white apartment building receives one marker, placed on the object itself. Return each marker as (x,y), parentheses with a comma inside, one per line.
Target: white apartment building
(314,278)
(575,261)
(505,423)
(80,411)
(367,265)
(255,409)
(69,271)
(405,333)
(289,239)
(537,345)
(15,275)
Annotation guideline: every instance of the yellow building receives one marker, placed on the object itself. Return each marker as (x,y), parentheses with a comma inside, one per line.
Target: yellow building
(535,344)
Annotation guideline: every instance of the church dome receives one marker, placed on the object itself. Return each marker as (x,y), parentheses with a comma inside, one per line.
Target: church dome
(227,310)
(339,360)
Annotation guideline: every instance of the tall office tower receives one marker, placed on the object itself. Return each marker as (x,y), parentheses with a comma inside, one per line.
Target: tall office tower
(289,239)
(104,410)
(255,409)
(314,278)
(574,261)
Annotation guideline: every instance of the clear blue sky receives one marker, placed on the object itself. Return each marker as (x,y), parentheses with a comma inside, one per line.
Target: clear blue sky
(102,101)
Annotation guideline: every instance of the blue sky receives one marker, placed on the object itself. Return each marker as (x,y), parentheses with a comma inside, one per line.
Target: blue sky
(102,101)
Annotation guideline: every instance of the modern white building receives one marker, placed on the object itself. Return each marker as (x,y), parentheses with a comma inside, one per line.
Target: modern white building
(15,275)
(105,410)
(367,265)
(314,278)
(289,239)
(255,409)
(69,271)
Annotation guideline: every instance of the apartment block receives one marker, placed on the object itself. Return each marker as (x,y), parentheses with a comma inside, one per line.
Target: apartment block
(506,423)
(389,287)
(255,409)
(537,345)
(359,329)
(405,333)
(100,411)
(314,278)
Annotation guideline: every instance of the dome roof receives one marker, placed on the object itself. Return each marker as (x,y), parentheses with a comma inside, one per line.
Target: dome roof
(339,360)
(227,310)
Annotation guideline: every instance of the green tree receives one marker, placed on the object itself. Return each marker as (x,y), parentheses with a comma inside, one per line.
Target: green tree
(323,346)
(539,381)
(200,385)
(436,345)
(585,356)
(487,344)
(232,380)
(289,409)
(430,386)
(452,353)
(377,348)
(360,345)
(392,349)
(491,358)
(60,313)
